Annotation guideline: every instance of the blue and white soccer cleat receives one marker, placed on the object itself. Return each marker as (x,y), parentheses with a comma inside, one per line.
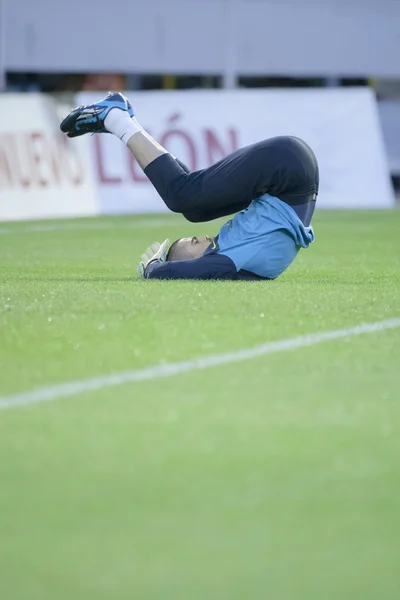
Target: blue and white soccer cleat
(90,118)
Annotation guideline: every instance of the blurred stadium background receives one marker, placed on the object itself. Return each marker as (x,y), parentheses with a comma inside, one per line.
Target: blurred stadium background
(73,52)
(276,477)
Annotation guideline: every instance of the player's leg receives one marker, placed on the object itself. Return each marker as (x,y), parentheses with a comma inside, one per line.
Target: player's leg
(202,215)
(279,166)
(284,167)
(201,196)
(114,114)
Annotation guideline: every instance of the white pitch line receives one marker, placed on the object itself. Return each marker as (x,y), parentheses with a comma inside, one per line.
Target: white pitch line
(93,225)
(72,388)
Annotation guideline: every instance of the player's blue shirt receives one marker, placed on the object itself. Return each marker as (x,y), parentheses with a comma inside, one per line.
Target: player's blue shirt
(265,238)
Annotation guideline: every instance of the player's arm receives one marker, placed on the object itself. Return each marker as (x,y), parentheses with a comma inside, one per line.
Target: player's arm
(211,266)
(153,265)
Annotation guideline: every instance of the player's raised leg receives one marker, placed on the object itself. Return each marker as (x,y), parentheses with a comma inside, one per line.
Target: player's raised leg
(181,190)
(284,167)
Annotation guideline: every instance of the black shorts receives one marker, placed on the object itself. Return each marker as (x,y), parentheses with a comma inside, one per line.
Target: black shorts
(284,167)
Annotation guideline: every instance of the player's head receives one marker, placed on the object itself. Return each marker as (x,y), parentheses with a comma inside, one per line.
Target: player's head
(190,247)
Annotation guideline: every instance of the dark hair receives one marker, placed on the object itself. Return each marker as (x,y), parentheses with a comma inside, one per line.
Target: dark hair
(172,248)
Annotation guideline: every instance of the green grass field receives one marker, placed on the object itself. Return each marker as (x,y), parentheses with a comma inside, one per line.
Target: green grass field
(277,477)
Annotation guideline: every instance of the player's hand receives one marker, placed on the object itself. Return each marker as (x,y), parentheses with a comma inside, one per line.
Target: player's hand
(154,252)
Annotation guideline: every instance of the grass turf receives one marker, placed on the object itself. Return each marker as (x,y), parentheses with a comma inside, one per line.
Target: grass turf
(277,477)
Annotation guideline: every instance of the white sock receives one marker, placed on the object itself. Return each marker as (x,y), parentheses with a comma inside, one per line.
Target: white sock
(121,124)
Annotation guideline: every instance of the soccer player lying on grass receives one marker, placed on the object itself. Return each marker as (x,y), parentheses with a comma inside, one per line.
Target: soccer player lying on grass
(272,185)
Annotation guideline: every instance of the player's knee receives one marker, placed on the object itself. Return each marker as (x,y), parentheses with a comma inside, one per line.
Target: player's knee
(175,202)
(193,217)
(173,207)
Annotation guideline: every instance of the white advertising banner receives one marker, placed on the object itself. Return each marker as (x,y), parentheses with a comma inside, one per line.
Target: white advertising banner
(200,127)
(43,174)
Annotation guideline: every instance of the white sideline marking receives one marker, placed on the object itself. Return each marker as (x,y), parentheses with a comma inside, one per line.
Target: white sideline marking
(97,383)
(79,226)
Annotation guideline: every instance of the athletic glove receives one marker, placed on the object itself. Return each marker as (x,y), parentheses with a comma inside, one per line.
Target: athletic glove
(154,252)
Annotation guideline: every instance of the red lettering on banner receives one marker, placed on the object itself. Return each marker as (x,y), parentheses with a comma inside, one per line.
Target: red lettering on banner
(19,152)
(74,164)
(135,171)
(34,159)
(6,178)
(55,158)
(38,154)
(214,147)
(101,173)
(185,137)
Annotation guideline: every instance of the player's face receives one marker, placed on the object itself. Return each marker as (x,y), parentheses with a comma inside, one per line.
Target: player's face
(191,247)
